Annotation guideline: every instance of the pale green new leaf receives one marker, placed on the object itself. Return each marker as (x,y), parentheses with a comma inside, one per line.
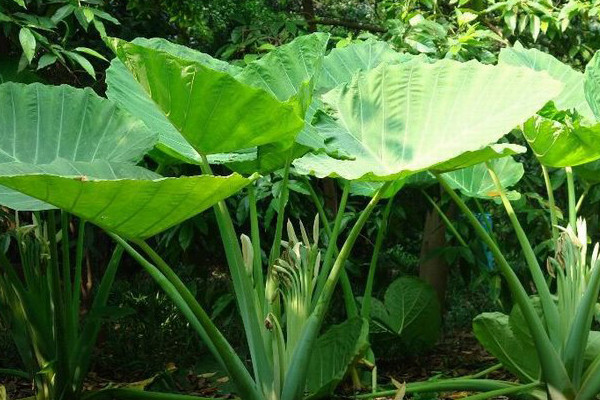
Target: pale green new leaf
(333,353)
(212,110)
(397,120)
(571,96)
(475,181)
(557,144)
(133,208)
(62,130)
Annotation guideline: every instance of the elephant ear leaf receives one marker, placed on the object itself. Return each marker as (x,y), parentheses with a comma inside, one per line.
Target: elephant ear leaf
(561,140)
(475,181)
(341,64)
(572,95)
(212,110)
(333,354)
(397,120)
(68,148)
(65,131)
(592,85)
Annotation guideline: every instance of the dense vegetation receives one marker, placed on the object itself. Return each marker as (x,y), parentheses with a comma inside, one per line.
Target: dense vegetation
(283,199)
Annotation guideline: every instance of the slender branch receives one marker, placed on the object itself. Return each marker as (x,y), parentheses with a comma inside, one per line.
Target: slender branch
(349,24)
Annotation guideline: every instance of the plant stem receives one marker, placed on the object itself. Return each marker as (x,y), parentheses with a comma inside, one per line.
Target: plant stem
(503,392)
(572,199)
(259,282)
(548,305)
(551,203)
(552,367)
(486,371)
(480,385)
(14,372)
(296,378)
(446,220)
(283,199)
(189,306)
(365,311)
(246,297)
(135,394)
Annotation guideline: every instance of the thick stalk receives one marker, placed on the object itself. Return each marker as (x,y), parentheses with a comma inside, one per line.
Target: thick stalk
(58,307)
(78,271)
(246,296)
(283,199)
(572,199)
(187,303)
(503,392)
(296,378)
(475,385)
(551,203)
(548,305)
(66,267)
(446,220)
(332,250)
(259,282)
(365,311)
(552,367)
(136,394)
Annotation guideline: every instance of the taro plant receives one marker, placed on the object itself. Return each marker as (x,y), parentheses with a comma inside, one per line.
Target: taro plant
(385,124)
(42,314)
(548,340)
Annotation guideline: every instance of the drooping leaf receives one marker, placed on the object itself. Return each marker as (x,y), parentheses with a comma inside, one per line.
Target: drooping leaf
(62,130)
(476,181)
(369,189)
(397,120)
(560,144)
(289,72)
(133,208)
(510,347)
(571,96)
(333,353)
(211,109)
(411,311)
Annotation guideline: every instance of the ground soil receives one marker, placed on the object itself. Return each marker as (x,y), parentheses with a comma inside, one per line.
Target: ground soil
(458,354)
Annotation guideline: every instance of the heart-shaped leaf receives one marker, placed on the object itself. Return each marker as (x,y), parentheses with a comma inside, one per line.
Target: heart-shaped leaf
(397,120)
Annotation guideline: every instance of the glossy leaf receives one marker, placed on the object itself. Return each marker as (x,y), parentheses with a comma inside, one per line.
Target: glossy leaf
(557,144)
(63,130)
(571,96)
(397,120)
(133,208)
(592,85)
(212,110)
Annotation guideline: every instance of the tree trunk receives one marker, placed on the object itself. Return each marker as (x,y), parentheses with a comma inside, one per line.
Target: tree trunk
(434,270)
(308,10)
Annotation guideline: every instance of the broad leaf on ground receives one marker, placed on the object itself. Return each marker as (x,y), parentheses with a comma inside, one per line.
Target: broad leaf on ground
(333,353)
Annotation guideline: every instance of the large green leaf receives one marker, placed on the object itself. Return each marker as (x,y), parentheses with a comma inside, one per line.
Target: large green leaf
(411,311)
(62,130)
(475,181)
(571,96)
(559,144)
(592,84)
(210,108)
(397,120)
(333,353)
(133,208)
(510,347)
(341,64)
